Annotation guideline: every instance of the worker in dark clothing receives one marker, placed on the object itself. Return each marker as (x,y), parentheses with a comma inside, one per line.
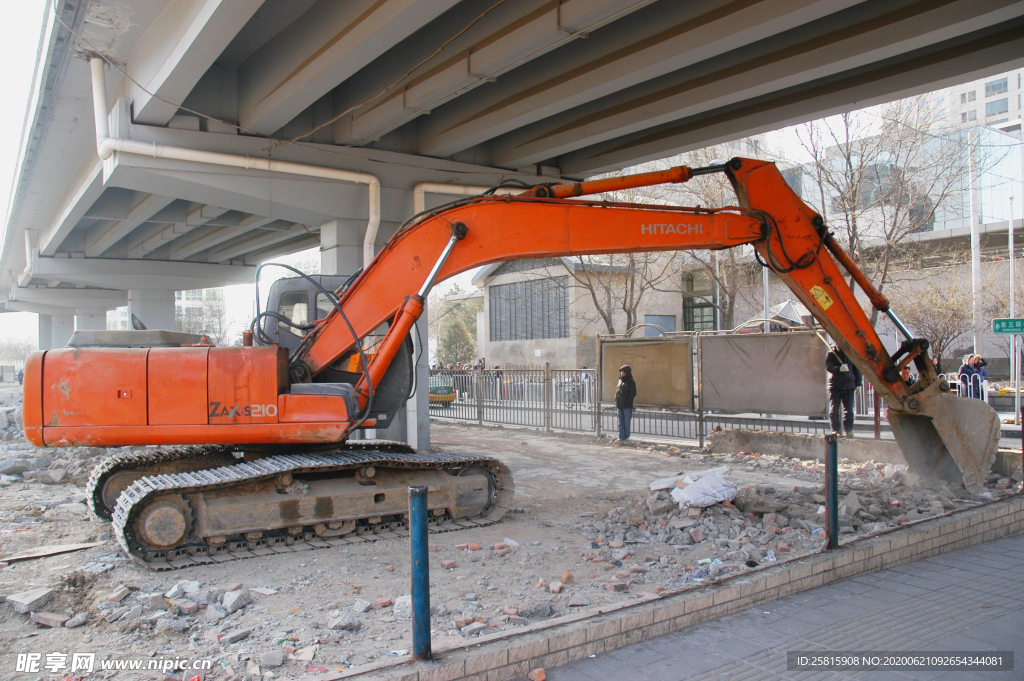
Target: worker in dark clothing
(21,377)
(625,391)
(843,380)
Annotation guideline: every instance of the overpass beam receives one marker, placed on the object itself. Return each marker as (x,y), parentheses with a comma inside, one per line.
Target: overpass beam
(154,307)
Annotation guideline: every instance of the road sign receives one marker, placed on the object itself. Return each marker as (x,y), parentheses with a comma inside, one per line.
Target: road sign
(1008,325)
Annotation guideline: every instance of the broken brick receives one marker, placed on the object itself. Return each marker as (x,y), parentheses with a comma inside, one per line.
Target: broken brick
(461,547)
(119,594)
(390,568)
(658,589)
(448,564)
(537,675)
(48,619)
(510,611)
(615,545)
(566,577)
(433,548)
(783,547)
(499,546)
(473,547)
(462,622)
(516,620)
(694,512)
(697,535)
(383,602)
(615,586)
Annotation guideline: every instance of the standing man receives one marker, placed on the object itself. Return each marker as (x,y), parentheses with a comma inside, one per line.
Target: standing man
(624,394)
(21,377)
(843,380)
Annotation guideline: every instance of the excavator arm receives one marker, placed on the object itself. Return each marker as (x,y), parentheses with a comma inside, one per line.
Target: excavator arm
(939,433)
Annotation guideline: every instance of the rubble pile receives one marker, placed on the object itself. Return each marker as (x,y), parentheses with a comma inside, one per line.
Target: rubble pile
(737,529)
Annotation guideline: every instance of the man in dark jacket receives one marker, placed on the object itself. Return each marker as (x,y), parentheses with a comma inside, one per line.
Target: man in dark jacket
(843,380)
(624,394)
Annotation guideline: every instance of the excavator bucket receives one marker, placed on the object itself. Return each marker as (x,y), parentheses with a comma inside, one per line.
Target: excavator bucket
(952,438)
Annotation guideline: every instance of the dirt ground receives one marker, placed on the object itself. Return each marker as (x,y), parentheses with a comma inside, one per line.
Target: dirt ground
(584,508)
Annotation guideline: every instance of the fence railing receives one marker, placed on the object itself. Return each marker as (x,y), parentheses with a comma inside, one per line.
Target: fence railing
(566,399)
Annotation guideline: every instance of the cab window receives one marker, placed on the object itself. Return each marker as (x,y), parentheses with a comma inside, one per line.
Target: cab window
(295,306)
(323,305)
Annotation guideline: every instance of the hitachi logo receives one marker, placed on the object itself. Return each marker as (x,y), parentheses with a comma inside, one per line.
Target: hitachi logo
(681,228)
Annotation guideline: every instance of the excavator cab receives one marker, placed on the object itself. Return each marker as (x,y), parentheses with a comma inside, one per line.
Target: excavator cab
(299,301)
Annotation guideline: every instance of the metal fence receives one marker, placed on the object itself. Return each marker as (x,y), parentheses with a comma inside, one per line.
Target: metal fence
(566,399)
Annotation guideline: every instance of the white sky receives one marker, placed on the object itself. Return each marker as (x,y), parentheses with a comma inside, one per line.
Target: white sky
(19,34)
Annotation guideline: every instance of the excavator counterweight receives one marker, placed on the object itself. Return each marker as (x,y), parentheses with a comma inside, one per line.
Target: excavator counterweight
(267,459)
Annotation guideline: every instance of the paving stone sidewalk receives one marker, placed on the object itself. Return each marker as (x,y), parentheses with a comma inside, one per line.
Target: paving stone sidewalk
(971,599)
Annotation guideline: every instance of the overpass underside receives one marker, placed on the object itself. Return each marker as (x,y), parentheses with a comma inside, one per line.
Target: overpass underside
(470,92)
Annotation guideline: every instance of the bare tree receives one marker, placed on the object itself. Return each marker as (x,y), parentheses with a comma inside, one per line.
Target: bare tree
(447,310)
(880,174)
(621,282)
(935,307)
(14,351)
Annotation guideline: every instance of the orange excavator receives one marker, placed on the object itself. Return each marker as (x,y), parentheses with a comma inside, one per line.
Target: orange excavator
(282,472)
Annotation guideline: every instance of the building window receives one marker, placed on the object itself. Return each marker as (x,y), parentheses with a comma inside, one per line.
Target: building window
(529,310)
(995,87)
(999,106)
(968,97)
(968,116)
(698,314)
(665,321)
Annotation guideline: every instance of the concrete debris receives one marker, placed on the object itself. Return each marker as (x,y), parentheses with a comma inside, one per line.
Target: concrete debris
(236,636)
(361,606)
(32,599)
(403,607)
(345,621)
(183,589)
(235,600)
(77,621)
(215,613)
(272,659)
(474,629)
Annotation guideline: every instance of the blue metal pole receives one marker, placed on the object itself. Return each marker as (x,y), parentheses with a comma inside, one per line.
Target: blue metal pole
(420,573)
(832,489)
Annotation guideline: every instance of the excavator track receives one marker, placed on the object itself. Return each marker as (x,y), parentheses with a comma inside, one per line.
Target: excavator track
(184,488)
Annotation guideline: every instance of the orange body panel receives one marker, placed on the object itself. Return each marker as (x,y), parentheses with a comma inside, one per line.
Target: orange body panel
(32,414)
(311,409)
(177,386)
(94,386)
(244,384)
(260,433)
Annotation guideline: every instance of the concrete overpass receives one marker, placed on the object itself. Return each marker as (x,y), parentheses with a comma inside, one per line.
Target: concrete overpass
(451,92)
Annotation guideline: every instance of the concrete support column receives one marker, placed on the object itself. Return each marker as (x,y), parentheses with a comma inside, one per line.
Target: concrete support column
(45,332)
(90,320)
(61,328)
(155,307)
(341,246)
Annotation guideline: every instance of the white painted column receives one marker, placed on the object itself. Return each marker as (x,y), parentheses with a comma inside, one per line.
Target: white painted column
(61,328)
(975,248)
(155,307)
(90,320)
(45,332)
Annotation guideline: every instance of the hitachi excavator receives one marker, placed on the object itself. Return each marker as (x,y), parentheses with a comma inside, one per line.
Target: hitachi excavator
(262,460)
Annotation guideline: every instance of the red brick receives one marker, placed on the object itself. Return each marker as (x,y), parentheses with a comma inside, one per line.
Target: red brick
(566,577)
(510,611)
(461,547)
(697,535)
(695,511)
(658,589)
(448,564)
(49,619)
(615,545)
(499,546)
(383,602)
(433,548)
(615,586)
(473,547)
(537,675)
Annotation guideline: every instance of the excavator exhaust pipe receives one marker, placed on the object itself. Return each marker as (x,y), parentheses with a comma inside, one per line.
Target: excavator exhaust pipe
(948,437)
